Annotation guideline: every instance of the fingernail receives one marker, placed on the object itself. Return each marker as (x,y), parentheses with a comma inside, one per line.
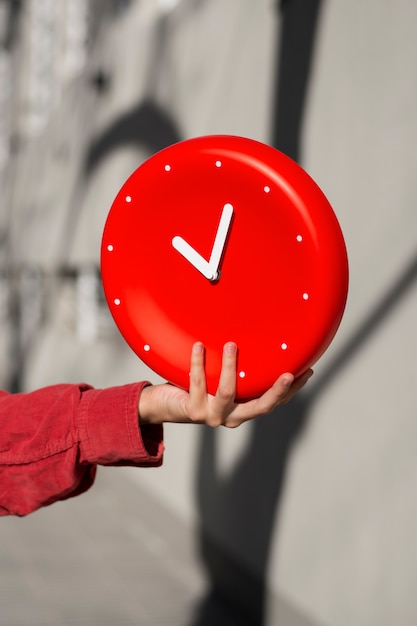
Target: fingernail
(198,348)
(288,380)
(230,348)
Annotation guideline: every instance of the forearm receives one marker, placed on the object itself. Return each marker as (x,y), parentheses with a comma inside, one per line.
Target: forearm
(51,441)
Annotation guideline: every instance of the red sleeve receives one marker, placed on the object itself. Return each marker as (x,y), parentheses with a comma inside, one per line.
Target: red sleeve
(52,439)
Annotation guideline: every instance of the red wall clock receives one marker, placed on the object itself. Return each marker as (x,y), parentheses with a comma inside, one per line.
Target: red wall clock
(222,238)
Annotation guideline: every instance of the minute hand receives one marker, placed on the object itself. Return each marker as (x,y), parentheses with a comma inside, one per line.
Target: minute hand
(210,268)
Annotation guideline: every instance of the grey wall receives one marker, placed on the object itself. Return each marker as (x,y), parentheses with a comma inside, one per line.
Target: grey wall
(308,516)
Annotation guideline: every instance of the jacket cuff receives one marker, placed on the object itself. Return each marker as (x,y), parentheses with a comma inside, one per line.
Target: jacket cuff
(109,429)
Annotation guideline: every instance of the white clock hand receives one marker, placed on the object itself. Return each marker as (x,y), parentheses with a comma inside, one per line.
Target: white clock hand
(221,235)
(208,269)
(194,257)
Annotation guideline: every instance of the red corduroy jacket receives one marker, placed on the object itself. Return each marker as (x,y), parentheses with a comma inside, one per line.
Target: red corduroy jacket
(52,439)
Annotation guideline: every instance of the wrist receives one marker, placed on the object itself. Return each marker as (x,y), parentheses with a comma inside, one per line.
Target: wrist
(145,413)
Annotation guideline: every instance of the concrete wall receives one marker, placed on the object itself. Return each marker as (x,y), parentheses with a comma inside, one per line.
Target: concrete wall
(308,516)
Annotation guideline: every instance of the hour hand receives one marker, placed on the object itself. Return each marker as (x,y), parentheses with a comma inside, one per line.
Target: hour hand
(194,258)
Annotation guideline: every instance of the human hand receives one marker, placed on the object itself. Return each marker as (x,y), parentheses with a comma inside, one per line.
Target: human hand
(167,403)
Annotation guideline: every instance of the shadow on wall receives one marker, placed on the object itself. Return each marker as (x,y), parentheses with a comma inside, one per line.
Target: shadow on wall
(242,509)
(147,125)
(237,514)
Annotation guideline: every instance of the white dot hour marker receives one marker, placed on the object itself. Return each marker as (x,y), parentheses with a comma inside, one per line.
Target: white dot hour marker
(299,238)
(218,163)
(146,347)
(267,189)
(110,248)
(305,296)
(128,198)
(167,168)
(116,301)
(242,374)
(284,346)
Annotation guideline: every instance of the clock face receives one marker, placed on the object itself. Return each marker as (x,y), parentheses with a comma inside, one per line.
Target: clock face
(223,238)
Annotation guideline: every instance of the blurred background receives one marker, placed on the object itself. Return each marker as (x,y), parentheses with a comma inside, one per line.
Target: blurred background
(307,517)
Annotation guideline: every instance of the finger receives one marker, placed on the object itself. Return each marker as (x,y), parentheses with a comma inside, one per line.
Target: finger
(226,390)
(263,405)
(222,403)
(281,392)
(198,388)
(298,384)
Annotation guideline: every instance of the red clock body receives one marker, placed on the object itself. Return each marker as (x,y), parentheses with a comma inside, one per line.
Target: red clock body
(223,238)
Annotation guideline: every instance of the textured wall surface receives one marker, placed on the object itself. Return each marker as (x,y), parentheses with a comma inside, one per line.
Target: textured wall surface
(309,516)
